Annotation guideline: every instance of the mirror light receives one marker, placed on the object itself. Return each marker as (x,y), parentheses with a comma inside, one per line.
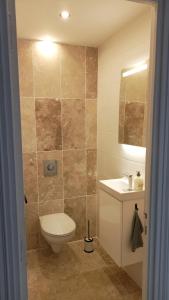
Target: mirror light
(47,47)
(137,69)
(134,152)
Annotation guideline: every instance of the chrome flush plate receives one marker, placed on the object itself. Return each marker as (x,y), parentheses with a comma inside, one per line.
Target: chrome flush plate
(50,167)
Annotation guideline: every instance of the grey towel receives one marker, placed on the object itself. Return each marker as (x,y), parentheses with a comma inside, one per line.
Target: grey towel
(137,230)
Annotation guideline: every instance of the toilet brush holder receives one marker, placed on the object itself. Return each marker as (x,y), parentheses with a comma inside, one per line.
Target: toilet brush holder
(88,245)
(88,241)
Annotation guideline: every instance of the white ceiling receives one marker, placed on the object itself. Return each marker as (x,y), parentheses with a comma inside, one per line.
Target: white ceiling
(91,22)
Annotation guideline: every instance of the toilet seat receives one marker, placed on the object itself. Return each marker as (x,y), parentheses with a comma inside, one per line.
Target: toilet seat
(59,224)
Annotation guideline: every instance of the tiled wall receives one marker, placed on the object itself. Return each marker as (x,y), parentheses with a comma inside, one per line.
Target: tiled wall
(58,111)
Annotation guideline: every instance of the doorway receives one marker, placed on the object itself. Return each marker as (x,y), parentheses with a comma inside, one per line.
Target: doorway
(89,152)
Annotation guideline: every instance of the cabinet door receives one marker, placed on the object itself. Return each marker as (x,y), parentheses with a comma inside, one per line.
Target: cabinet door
(110,225)
(129,257)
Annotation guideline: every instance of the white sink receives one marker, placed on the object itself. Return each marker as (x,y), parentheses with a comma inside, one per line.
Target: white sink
(118,188)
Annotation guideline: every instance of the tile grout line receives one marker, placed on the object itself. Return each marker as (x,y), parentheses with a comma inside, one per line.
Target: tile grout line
(58,98)
(61,119)
(97,203)
(64,150)
(37,167)
(85,139)
(80,196)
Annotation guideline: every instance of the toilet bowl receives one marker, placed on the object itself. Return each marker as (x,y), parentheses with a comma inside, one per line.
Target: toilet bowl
(57,229)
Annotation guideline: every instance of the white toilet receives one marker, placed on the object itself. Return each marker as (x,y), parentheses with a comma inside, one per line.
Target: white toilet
(57,229)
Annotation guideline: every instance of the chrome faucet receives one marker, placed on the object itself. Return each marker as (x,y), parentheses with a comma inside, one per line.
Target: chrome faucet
(130,181)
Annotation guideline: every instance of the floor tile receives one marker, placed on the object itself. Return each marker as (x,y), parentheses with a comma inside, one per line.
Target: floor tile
(74,275)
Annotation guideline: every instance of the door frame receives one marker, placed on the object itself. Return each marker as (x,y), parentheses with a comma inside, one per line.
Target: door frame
(157,169)
(158,258)
(148,169)
(13,284)
(149,146)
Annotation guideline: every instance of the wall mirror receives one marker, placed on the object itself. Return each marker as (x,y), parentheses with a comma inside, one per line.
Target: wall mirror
(133,105)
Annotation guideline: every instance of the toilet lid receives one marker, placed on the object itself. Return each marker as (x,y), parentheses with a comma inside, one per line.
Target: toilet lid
(57,224)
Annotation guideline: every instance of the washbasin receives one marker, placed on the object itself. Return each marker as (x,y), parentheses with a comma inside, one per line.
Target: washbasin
(119,188)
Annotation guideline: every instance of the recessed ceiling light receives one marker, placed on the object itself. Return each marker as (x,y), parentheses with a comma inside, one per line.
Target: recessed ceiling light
(47,47)
(65,14)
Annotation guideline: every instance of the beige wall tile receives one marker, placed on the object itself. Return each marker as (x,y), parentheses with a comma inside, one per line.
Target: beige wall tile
(91,212)
(51,207)
(74,173)
(42,242)
(73,72)
(91,86)
(76,209)
(73,122)
(91,72)
(32,219)
(30,177)
(32,240)
(73,86)
(48,124)
(134,123)
(50,188)
(28,124)
(25,68)
(73,59)
(91,124)
(46,71)
(136,87)
(91,171)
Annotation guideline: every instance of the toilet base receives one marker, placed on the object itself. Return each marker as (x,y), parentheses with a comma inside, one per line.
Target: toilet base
(57,243)
(56,248)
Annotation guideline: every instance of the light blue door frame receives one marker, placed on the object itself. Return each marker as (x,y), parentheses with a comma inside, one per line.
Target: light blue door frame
(12,233)
(158,263)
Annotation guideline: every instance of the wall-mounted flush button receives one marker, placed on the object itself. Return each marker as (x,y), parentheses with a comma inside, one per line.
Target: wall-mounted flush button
(50,167)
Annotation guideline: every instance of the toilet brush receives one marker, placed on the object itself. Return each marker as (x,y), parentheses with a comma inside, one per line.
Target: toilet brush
(88,241)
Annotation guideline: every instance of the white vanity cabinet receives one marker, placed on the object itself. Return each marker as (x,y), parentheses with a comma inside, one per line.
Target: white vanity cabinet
(115,226)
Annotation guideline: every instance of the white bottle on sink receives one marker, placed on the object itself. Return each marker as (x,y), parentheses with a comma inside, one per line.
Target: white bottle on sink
(138,182)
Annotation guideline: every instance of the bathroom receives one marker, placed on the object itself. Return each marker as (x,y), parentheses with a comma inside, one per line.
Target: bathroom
(72,75)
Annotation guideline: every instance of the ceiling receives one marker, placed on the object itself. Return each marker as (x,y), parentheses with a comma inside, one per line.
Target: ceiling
(91,22)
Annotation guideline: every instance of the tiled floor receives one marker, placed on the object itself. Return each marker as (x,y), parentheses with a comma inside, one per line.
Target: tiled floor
(73,275)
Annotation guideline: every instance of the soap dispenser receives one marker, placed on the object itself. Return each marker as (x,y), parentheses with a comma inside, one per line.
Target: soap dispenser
(138,182)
